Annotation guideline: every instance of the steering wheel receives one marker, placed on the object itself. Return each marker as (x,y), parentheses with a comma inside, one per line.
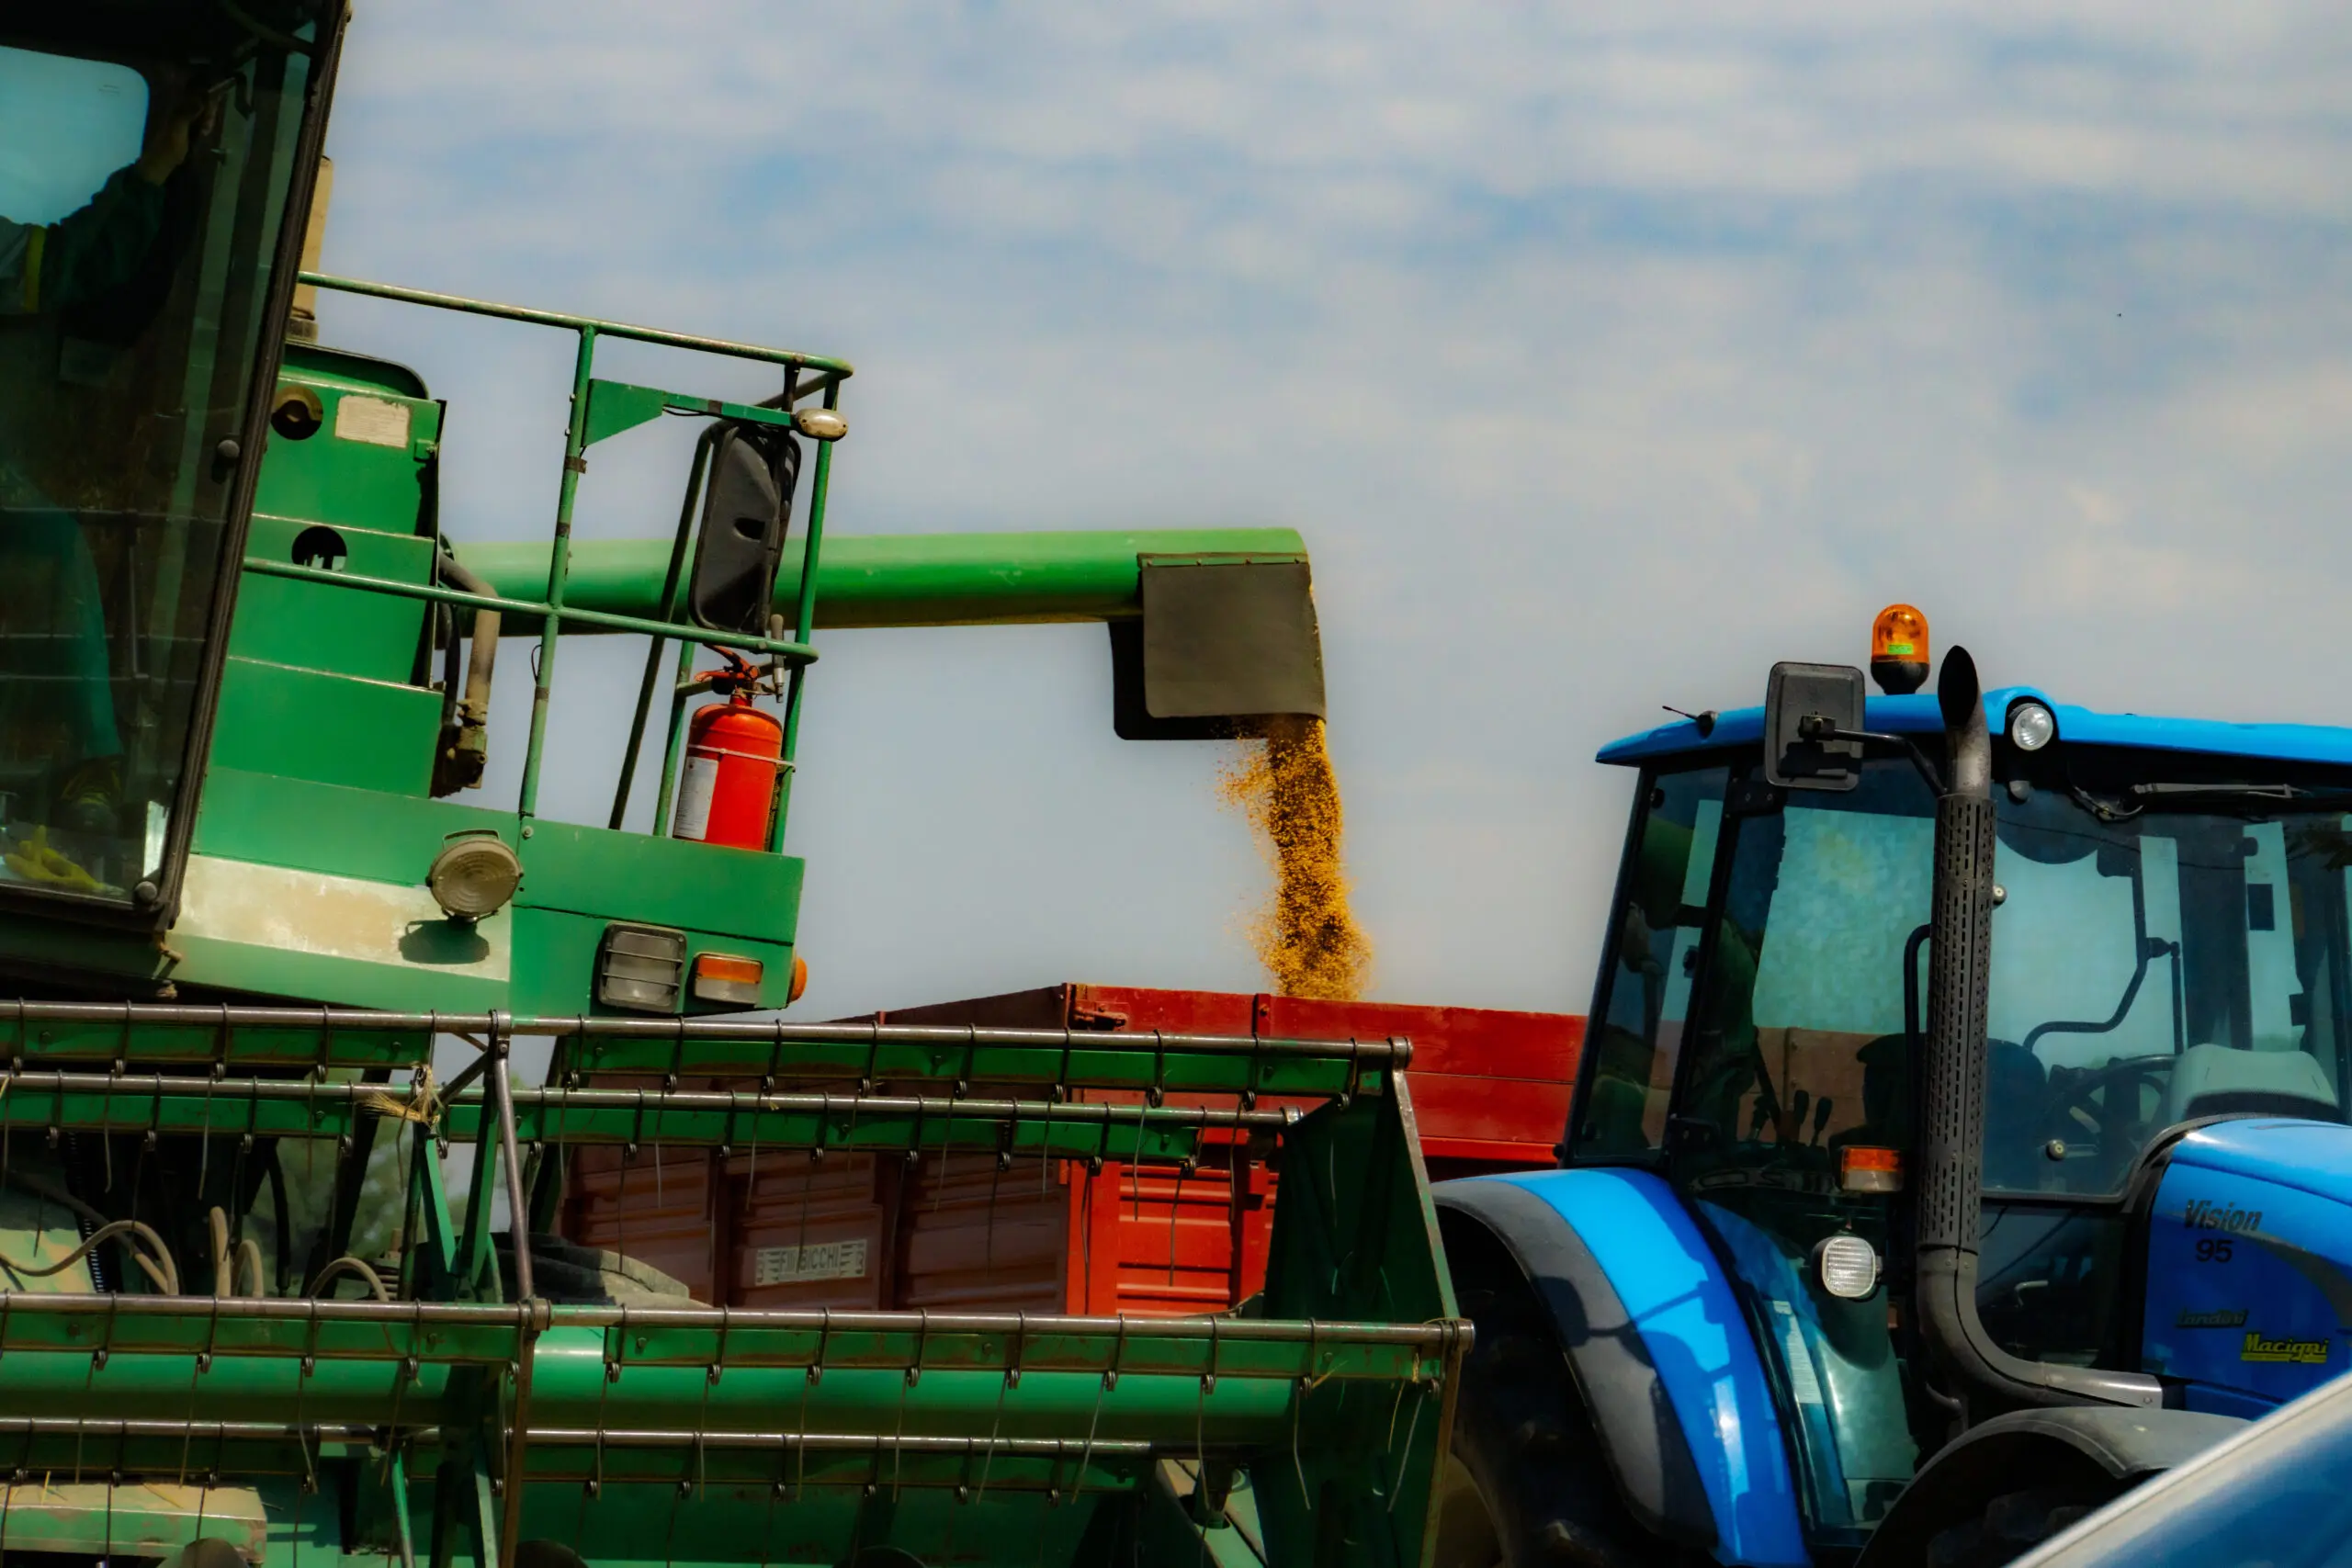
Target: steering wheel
(2063,1100)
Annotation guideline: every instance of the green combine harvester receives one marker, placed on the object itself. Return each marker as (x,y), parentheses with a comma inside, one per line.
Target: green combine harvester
(244,685)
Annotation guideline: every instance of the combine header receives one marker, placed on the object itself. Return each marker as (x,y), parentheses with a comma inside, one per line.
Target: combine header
(224,1400)
(243,673)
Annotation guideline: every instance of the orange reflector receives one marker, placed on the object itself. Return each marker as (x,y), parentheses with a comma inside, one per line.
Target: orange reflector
(799,979)
(722,978)
(1864,1168)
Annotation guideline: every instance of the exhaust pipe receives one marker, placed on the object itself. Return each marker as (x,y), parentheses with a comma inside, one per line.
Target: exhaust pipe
(1960,971)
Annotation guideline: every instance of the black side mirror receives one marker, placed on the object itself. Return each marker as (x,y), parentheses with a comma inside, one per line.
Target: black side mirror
(1806,707)
(745,508)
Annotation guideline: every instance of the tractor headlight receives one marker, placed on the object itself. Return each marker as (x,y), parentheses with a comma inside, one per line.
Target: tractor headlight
(2031,727)
(1847,1267)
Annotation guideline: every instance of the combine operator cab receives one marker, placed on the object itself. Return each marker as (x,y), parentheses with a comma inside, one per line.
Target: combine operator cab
(269,1289)
(1944,1055)
(151,211)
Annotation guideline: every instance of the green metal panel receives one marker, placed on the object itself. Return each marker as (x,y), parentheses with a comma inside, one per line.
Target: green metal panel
(616,406)
(848,1055)
(347,831)
(555,958)
(372,636)
(201,1040)
(576,880)
(366,980)
(662,880)
(1357,1235)
(370,735)
(908,579)
(42,948)
(368,466)
(323,366)
(1049,1063)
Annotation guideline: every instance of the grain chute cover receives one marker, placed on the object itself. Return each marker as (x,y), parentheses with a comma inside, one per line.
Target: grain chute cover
(1222,642)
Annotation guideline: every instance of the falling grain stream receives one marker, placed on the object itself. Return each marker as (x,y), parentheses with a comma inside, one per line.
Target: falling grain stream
(1306,937)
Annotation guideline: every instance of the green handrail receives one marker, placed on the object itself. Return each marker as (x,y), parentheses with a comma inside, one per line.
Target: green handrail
(550,609)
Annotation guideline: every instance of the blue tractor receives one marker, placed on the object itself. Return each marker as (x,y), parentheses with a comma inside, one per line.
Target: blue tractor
(1959,1137)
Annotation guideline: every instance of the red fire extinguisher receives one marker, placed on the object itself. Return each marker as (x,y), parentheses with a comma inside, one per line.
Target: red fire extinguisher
(727,793)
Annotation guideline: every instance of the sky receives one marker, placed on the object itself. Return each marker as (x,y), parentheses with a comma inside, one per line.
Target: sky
(1603,354)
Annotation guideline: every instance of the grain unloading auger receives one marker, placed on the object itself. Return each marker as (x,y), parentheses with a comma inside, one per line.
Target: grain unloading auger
(239,694)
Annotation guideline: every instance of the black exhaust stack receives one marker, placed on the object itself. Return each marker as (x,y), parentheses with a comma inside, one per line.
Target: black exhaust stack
(1987,1379)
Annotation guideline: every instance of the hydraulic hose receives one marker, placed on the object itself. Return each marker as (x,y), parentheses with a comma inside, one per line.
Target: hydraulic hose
(167,1278)
(482,655)
(358,1267)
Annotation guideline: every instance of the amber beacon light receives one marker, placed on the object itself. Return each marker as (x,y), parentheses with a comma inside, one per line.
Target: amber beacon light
(1899,651)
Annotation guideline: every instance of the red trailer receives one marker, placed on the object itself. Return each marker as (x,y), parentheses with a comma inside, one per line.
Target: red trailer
(1490,1090)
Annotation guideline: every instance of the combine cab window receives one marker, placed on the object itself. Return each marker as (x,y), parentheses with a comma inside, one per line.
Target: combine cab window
(144,174)
(65,125)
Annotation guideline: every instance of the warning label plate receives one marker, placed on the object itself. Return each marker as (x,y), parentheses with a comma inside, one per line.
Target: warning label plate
(818,1260)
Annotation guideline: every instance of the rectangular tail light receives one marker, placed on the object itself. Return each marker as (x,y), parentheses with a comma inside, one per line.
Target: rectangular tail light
(1862,1167)
(722,977)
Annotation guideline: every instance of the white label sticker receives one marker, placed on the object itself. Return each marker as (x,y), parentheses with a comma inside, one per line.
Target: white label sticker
(379,422)
(818,1260)
(1803,1381)
(692,818)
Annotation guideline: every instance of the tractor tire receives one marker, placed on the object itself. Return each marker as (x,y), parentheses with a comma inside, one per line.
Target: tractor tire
(1527,1484)
(2012,1525)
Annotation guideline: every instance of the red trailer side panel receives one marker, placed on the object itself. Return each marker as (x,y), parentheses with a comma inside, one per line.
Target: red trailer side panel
(1490,1090)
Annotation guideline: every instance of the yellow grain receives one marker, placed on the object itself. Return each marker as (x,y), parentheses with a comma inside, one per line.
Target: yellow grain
(1306,937)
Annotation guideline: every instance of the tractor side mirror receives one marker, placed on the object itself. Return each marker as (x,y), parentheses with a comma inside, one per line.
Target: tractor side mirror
(745,508)
(1806,707)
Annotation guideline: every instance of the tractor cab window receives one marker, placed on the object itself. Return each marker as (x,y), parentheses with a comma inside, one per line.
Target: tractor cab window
(1636,1037)
(2153,966)
(1801,1049)
(144,172)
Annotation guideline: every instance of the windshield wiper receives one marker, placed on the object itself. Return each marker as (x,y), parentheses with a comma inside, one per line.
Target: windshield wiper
(2178,797)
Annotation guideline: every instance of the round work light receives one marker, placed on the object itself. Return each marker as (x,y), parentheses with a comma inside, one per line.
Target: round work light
(2031,727)
(474,876)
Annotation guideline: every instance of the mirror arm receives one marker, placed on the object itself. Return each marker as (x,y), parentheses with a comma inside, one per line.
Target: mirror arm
(1813,727)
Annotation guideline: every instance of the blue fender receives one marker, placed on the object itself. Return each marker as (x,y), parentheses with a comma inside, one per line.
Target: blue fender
(1681,1403)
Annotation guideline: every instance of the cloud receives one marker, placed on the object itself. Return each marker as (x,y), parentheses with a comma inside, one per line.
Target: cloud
(1604,354)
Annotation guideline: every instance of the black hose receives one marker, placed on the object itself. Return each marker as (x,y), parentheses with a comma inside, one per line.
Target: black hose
(285,1219)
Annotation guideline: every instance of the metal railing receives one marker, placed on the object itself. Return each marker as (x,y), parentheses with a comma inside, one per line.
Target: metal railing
(806,375)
